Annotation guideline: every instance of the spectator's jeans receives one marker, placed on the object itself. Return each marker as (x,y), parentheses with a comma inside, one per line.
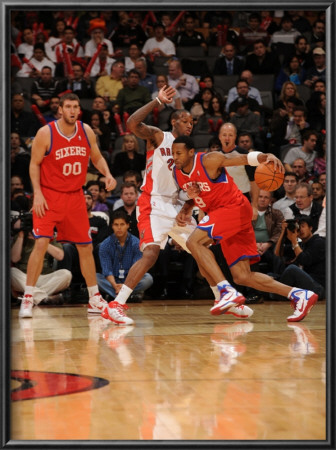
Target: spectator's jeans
(294,276)
(106,287)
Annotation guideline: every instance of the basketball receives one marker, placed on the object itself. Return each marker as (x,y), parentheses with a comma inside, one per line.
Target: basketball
(267,178)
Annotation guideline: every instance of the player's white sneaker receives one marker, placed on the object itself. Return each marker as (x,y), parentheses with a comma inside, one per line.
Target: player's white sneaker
(96,304)
(241,311)
(229,297)
(26,307)
(116,313)
(302,301)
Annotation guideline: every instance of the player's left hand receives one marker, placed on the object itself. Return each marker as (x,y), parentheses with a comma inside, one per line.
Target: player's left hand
(276,161)
(110,182)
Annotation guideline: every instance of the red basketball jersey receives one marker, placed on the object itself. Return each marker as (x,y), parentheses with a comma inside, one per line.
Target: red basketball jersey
(65,164)
(218,193)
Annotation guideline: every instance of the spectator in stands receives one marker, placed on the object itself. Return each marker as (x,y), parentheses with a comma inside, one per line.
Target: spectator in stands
(318,192)
(318,70)
(221,29)
(108,86)
(228,63)
(53,111)
(79,83)
(44,88)
(318,33)
(282,41)
(300,169)
(74,48)
(288,91)
(103,63)
(189,37)
(318,86)
(308,269)
(306,152)
(289,185)
(129,197)
(84,23)
(117,253)
(147,80)
(36,63)
(55,37)
(26,48)
(302,52)
(158,45)
(184,83)
(252,92)
(300,22)
(262,61)
(127,32)
(50,282)
(246,121)
(129,158)
(201,103)
(267,228)
(93,187)
(251,34)
(317,111)
(287,125)
(304,205)
(130,176)
(22,122)
(20,160)
(320,165)
(214,145)
(97,31)
(242,87)
(211,121)
(323,180)
(267,22)
(134,53)
(291,71)
(132,96)
(102,132)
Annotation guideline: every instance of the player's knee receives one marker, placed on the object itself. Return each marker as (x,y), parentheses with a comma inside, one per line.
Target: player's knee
(150,255)
(241,278)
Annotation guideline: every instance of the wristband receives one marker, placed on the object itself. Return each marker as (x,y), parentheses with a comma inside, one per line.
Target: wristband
(296,245)
(158,100)
(252,158)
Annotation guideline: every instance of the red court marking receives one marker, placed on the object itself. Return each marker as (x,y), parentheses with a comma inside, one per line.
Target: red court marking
(50,384)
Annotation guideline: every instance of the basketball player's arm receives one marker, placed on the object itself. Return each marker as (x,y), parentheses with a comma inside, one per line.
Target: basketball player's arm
(135,122)
(98,160)
(217,160)
(40,146)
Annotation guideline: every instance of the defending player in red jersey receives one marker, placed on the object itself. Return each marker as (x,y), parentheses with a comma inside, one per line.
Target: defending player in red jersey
(58,167)
(229,220)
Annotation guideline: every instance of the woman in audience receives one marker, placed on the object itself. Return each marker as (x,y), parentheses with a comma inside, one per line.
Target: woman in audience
(129,158)
(292,71)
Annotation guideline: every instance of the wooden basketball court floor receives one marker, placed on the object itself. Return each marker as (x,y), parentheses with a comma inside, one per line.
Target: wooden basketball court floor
(178,374)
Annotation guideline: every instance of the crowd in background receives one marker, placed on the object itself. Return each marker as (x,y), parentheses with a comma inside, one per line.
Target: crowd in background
(263,71)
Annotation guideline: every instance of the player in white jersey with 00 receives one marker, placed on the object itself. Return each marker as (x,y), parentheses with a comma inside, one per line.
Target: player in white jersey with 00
(159,201)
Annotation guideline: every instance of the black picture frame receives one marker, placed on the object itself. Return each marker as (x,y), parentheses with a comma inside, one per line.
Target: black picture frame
(6,7)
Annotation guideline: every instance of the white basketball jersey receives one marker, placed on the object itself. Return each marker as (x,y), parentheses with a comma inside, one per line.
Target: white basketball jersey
(158,179)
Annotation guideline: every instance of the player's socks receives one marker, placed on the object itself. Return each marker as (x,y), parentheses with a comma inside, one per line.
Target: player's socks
(123,294)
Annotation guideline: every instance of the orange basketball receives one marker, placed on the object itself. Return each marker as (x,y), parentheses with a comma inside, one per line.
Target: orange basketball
(267,178)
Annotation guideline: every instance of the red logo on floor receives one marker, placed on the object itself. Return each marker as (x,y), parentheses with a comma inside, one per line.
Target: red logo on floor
(50,384)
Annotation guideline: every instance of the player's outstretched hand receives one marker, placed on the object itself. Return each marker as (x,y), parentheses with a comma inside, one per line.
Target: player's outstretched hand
(193,190)
(166,94)
(276,161)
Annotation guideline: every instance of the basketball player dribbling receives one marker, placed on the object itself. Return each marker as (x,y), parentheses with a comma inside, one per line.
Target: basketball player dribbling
(158,203)
(59,161)
(228,220)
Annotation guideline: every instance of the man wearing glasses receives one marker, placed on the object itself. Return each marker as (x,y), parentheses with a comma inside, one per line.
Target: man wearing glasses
(304,205)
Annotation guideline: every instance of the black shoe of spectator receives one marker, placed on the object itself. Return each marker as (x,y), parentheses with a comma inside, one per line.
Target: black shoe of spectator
(135,297)
(164,294)
(187,294)
(253,299)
